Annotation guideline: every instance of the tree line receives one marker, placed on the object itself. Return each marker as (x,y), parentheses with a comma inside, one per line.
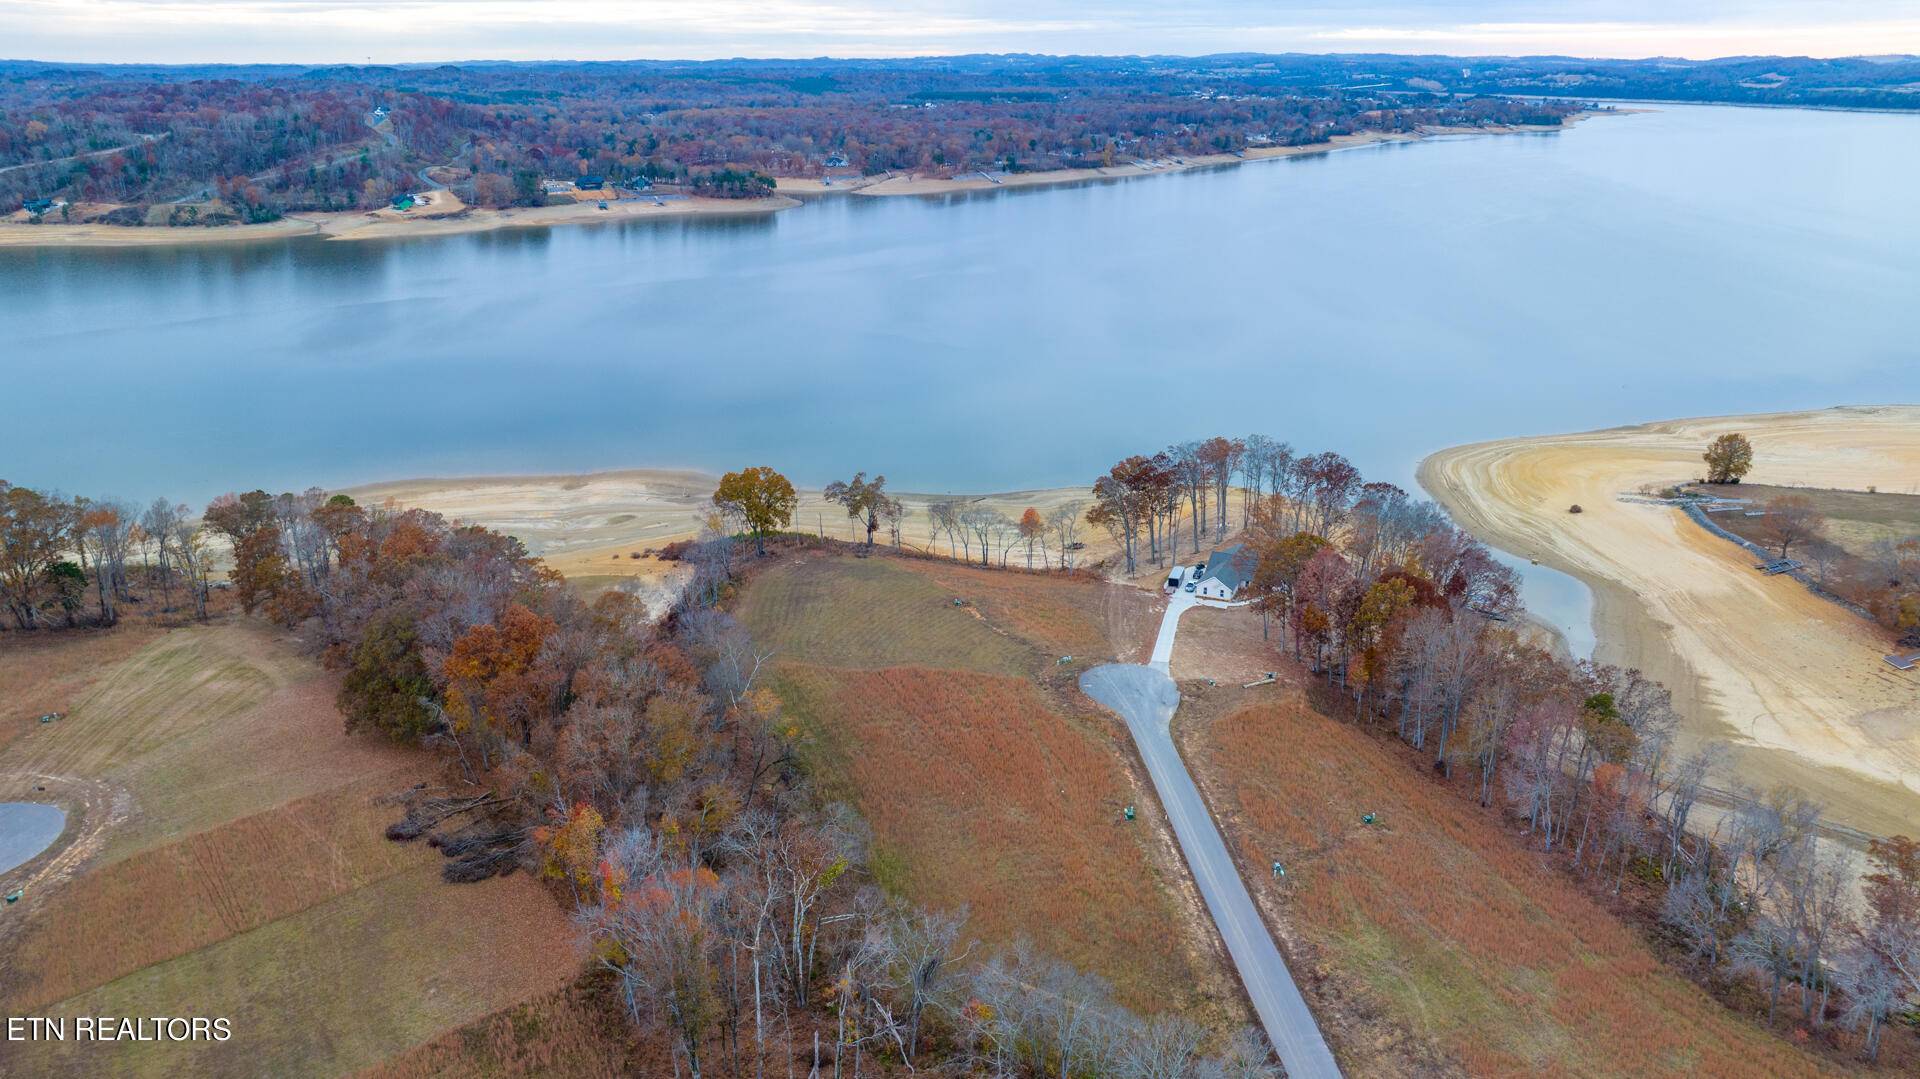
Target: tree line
(266,140)
(68,561)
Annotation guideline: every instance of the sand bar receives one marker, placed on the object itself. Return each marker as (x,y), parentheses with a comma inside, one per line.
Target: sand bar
(1795,683)
(384,223)
(912,184)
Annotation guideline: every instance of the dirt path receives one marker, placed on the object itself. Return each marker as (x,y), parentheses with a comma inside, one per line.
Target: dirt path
(1794,682)
(144,139)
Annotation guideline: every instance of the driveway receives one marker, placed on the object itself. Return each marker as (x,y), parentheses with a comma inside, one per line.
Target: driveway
(1146,697)
(1181,602)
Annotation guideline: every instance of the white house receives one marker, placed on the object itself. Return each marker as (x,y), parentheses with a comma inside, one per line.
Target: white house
(1226,573)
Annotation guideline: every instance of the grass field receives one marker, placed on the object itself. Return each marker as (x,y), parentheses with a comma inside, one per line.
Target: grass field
(47,672)
(874,612)
(577,1031)
(988,781)
(1443,921)
(238,869)
(1855,520)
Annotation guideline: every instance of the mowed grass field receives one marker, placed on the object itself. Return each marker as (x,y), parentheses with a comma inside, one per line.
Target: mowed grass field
(242,872)
(1444,921)
(1856,520)
(989,783)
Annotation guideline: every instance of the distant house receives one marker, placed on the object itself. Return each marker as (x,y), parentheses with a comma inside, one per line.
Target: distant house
(836,161)
(1226,573)
(591,183)
(556,187)
(639,183)
(37,206)
(403,202)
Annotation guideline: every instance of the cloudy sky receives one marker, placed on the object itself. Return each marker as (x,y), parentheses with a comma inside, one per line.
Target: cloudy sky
(322,31)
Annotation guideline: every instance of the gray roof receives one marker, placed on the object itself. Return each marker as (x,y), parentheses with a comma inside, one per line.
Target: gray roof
(1225,566)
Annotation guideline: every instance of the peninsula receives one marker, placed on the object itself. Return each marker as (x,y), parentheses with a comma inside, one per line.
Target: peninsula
(1795,681)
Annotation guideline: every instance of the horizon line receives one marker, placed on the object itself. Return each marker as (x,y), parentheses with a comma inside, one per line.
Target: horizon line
(828,58)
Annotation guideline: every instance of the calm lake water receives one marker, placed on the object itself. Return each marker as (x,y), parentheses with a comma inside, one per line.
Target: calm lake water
(1384,301)
(25,830)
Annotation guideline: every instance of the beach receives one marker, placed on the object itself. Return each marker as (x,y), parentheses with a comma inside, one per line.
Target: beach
(909,184)
(382,224)
(912,184)
(591,526)
(1794,682)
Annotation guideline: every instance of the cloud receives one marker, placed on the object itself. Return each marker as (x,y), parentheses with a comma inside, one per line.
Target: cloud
(314,31)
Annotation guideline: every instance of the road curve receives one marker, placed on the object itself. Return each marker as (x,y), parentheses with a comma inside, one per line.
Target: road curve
(1146,698)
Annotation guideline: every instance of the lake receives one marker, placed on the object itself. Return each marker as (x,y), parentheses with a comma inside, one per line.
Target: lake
(1383,301)
(25,830)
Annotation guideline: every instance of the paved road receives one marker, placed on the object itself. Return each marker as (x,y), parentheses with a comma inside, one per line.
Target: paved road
(1145,696)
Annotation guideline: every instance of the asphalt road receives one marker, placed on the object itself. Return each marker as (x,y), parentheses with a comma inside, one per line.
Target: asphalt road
(1145,696)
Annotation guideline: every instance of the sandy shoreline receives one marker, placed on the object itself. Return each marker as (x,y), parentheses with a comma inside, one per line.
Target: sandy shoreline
(922,185)
(588,526)
(381,224)
(1794,682)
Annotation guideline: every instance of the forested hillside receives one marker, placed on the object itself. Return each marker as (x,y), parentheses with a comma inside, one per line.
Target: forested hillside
(272,139)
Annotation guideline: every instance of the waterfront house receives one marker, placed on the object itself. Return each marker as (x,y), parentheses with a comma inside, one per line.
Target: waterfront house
(1226,573)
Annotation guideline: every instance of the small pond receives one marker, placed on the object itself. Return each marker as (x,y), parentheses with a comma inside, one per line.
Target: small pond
(26,828)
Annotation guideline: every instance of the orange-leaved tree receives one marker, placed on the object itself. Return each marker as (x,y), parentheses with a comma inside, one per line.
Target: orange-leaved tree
(495,682)
(1032,527)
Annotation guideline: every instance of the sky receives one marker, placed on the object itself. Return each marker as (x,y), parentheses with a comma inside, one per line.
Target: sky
(411,31)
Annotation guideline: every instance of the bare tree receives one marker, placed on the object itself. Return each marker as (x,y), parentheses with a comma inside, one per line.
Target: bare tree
(944,517)
(1166,1047)
(1682,790)
(926,952)
(1246,1056)
(1789,520)
(1064,523)
(1698,904)
(983,525)
(1767,948)
(188,541)
(159,522)
(661,944)
(1874,989)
